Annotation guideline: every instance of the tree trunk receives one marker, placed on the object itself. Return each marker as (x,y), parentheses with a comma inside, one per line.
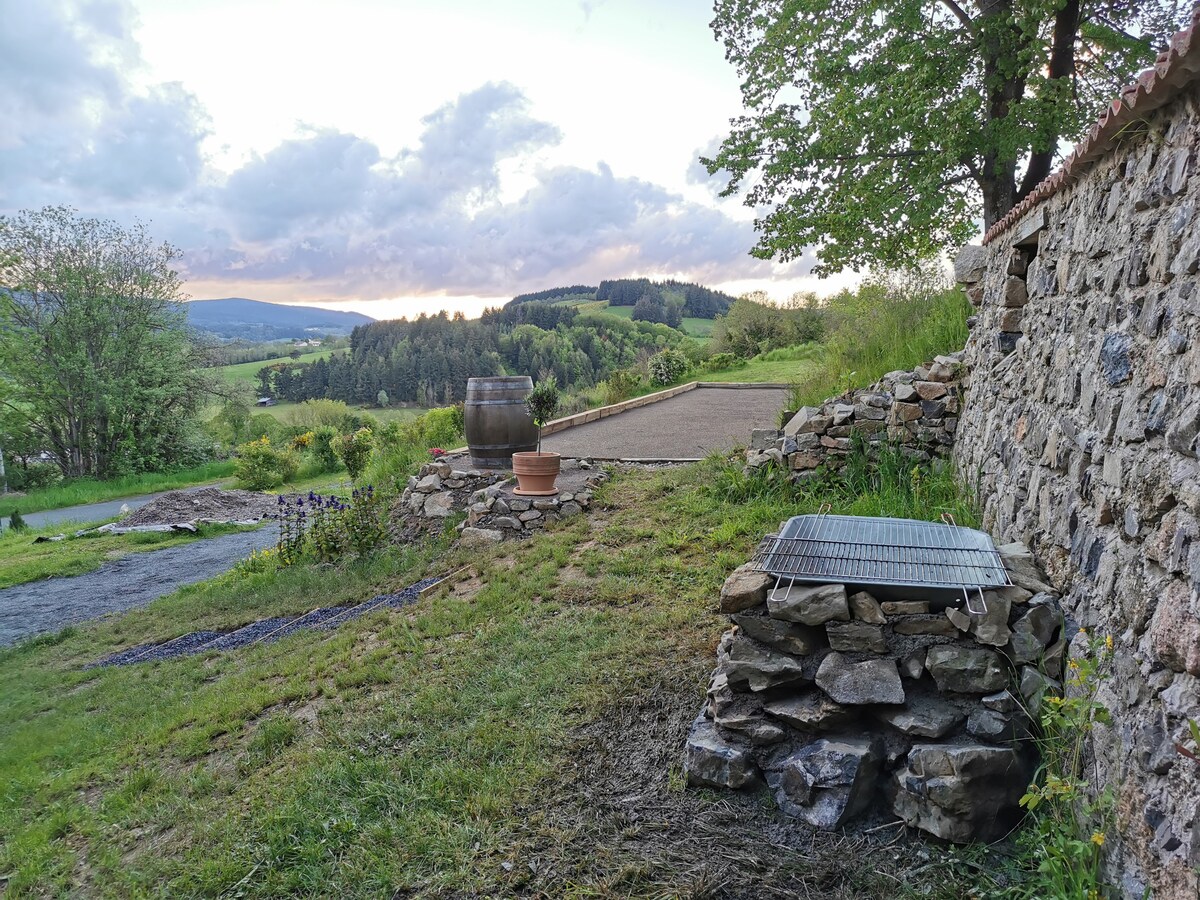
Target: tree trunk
(998,174)
(1062,65)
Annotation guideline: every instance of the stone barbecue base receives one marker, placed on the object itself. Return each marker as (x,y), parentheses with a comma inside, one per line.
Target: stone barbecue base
(841,704)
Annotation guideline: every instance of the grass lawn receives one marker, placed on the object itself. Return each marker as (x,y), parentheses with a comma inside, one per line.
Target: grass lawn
(22,561)
(387,414)
(248,372)
(519,733)
(780,366)
(91,490)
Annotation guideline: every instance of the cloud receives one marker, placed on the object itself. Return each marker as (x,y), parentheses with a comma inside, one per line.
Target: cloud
(325,210)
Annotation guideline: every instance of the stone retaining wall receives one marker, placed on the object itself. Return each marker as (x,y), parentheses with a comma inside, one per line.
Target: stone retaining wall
(493,512)
(917,410)
(1079,436)
(846,706)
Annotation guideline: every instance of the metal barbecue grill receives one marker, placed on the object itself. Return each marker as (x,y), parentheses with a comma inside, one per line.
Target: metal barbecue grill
(891,558)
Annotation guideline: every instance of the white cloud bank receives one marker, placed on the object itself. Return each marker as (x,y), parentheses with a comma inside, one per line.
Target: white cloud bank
(325,215)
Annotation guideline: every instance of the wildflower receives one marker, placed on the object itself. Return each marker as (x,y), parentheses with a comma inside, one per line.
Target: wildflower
(1108,642)
(281,500)
(1082,630)
(1098,838)
(1073,665)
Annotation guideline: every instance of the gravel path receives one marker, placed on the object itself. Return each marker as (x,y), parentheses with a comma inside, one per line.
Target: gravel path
(126,583)
(688,426)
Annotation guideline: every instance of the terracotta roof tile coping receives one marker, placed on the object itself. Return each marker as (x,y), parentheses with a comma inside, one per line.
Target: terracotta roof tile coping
(1176,66)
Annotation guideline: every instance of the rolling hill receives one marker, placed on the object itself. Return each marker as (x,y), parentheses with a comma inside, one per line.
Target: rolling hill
(254,320)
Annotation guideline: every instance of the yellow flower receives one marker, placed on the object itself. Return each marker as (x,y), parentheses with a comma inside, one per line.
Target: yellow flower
(1098,838)
(1083,630)
(1072,665)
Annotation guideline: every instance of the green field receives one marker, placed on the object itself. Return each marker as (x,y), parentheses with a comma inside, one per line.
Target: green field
(248,372)
(701,329)
(389,414)
(780,366)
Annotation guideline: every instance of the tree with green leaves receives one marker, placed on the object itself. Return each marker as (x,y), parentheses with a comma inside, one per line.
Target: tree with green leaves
(95,356)
(877,132)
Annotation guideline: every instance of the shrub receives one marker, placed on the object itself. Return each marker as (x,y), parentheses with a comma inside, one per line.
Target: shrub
(667,366)
(15,522)
(33,477)
(321,448)
(621,385)
(260,466)
(329,528)
(354,450)
(402,447)
(721,361)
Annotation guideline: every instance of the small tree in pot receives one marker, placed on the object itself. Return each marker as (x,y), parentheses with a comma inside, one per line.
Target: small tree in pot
(537,472)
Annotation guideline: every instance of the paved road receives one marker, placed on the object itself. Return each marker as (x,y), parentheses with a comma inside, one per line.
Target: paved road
(687,426)
(88,512)
(126,583)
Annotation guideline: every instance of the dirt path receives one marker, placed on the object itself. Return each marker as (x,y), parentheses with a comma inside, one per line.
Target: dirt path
(126,583)
(689,426)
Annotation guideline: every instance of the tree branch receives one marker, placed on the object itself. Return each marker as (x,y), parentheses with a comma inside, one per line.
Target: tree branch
(959,13)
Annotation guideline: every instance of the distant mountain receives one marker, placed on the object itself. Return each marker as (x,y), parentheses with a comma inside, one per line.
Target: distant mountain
(254,320)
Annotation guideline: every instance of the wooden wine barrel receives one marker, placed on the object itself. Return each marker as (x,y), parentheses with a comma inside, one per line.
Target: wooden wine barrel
(497,422)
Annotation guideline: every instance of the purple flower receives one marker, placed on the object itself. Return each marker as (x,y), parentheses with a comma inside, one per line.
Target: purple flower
(282,502)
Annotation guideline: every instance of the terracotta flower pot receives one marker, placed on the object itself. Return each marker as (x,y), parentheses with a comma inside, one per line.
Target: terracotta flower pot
(536,473)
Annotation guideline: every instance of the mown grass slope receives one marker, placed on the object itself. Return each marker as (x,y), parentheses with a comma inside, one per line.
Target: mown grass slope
(517,733)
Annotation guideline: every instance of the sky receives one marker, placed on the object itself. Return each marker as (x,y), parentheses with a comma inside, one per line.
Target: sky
(386,156)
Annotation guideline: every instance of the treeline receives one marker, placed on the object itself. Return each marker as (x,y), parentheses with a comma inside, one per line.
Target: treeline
(661,301)
(243,352)
(582,291)
(694,300)
(429,359)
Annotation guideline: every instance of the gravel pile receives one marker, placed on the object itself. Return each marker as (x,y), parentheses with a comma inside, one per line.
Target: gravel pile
(176,507)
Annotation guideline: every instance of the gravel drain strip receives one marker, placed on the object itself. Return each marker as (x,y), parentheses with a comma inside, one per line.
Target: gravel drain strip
(266,631)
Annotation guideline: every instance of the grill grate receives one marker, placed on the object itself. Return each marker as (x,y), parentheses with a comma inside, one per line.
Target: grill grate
(893,557)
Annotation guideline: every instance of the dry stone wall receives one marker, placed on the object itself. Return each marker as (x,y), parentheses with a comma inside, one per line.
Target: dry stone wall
(917,411)
(1080,437)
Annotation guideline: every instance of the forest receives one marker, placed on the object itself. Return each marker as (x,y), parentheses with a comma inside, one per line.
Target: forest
(428,360)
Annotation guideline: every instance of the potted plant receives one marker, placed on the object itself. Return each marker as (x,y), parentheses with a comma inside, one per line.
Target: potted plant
(536,472)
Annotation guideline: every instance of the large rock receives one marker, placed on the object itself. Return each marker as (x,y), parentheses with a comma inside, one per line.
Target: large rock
(745,717)
(809,604)
(711,759)
(758,667)
(810,710)
(744,589)
(961,792)
(866,608)
(967,670)
(480,537)
(798,640)
(970,264)
(828,782)
(856,684)
(923,716)
(856,637)
(439,506)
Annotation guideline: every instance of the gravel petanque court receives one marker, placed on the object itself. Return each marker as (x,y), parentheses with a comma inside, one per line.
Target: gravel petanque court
(687,426)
